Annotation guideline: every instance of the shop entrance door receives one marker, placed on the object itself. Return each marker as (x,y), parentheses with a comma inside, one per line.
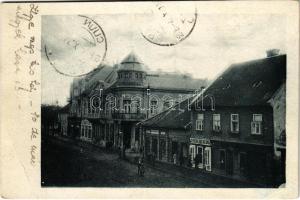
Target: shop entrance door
(200,155)
(229,162)
(192,154)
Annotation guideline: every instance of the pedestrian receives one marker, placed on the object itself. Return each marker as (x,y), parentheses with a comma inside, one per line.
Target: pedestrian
(175,158)
(141,168)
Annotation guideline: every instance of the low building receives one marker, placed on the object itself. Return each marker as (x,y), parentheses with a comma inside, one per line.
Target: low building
(166,135)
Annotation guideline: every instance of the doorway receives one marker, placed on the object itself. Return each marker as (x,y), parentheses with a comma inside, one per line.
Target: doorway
(126,134)
(229,162)
(154,146)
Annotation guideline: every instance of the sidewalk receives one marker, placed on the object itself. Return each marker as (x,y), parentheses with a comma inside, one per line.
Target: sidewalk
(191,173)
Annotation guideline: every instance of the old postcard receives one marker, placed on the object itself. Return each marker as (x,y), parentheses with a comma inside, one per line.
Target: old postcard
(150,99)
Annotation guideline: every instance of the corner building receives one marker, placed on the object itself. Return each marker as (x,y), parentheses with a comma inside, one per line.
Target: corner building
(106,105)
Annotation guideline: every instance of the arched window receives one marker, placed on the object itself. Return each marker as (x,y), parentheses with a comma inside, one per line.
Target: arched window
(154,105)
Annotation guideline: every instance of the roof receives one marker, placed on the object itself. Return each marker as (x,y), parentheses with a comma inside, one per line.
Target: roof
(174,81)
(178,116)
(131,62)
(107,75)
(243,84)
(250,83)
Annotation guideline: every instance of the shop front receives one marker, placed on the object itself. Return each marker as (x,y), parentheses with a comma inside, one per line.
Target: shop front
(200,153)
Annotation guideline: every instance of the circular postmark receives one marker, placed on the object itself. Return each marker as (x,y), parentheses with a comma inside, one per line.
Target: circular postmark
(168,24)
(75,46)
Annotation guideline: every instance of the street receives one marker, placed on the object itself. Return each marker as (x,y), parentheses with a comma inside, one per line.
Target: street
(68,165)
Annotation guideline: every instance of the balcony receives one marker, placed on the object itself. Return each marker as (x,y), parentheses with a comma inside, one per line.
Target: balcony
(91,115)
(129,116)
(96,115)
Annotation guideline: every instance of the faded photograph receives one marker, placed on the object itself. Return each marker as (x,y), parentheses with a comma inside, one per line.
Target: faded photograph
(163,99)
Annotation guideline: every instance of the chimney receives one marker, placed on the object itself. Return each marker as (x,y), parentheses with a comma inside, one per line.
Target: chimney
(272,52)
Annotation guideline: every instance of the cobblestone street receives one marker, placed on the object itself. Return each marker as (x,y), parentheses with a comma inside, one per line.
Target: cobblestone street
(69,165)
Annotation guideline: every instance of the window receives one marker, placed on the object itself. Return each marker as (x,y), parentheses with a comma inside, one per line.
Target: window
(167,105)
(256,124)
(199,122)
(234,123)
(127,106)
(136,104)
(136,75)
(216,122)
(153,107)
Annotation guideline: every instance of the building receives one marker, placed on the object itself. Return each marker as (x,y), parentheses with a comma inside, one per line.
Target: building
(166,135)
(106,105)
(233,121)
(63,120)
(49,120)
(229,127)
(278,102)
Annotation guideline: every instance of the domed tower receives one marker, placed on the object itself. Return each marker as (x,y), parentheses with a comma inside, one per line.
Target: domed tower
(131,71)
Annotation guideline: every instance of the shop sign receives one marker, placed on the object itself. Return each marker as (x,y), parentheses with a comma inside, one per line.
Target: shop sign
(200,141)
(155,132)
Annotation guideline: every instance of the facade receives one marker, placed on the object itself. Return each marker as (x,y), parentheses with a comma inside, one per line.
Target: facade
(278,102)
(166,135)
(235,136)
(106,105)
(230,127)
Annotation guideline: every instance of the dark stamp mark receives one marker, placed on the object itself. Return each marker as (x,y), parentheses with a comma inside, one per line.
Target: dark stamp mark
(165,25)
(77,53)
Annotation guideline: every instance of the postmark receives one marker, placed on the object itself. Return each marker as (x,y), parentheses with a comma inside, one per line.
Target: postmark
(77,45)
(166,24)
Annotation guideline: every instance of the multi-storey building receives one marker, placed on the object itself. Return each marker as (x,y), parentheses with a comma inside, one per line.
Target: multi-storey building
(107,104)
(231,124)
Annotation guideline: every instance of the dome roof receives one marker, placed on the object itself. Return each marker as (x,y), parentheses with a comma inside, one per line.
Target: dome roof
(131,63)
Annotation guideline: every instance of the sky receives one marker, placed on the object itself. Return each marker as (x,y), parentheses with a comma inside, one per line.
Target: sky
(215,42)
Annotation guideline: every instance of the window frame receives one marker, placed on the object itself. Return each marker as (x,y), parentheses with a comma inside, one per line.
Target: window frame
(255,122)
(153,108)
(127,105)
(199,121)
(236,120)
(219,124)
